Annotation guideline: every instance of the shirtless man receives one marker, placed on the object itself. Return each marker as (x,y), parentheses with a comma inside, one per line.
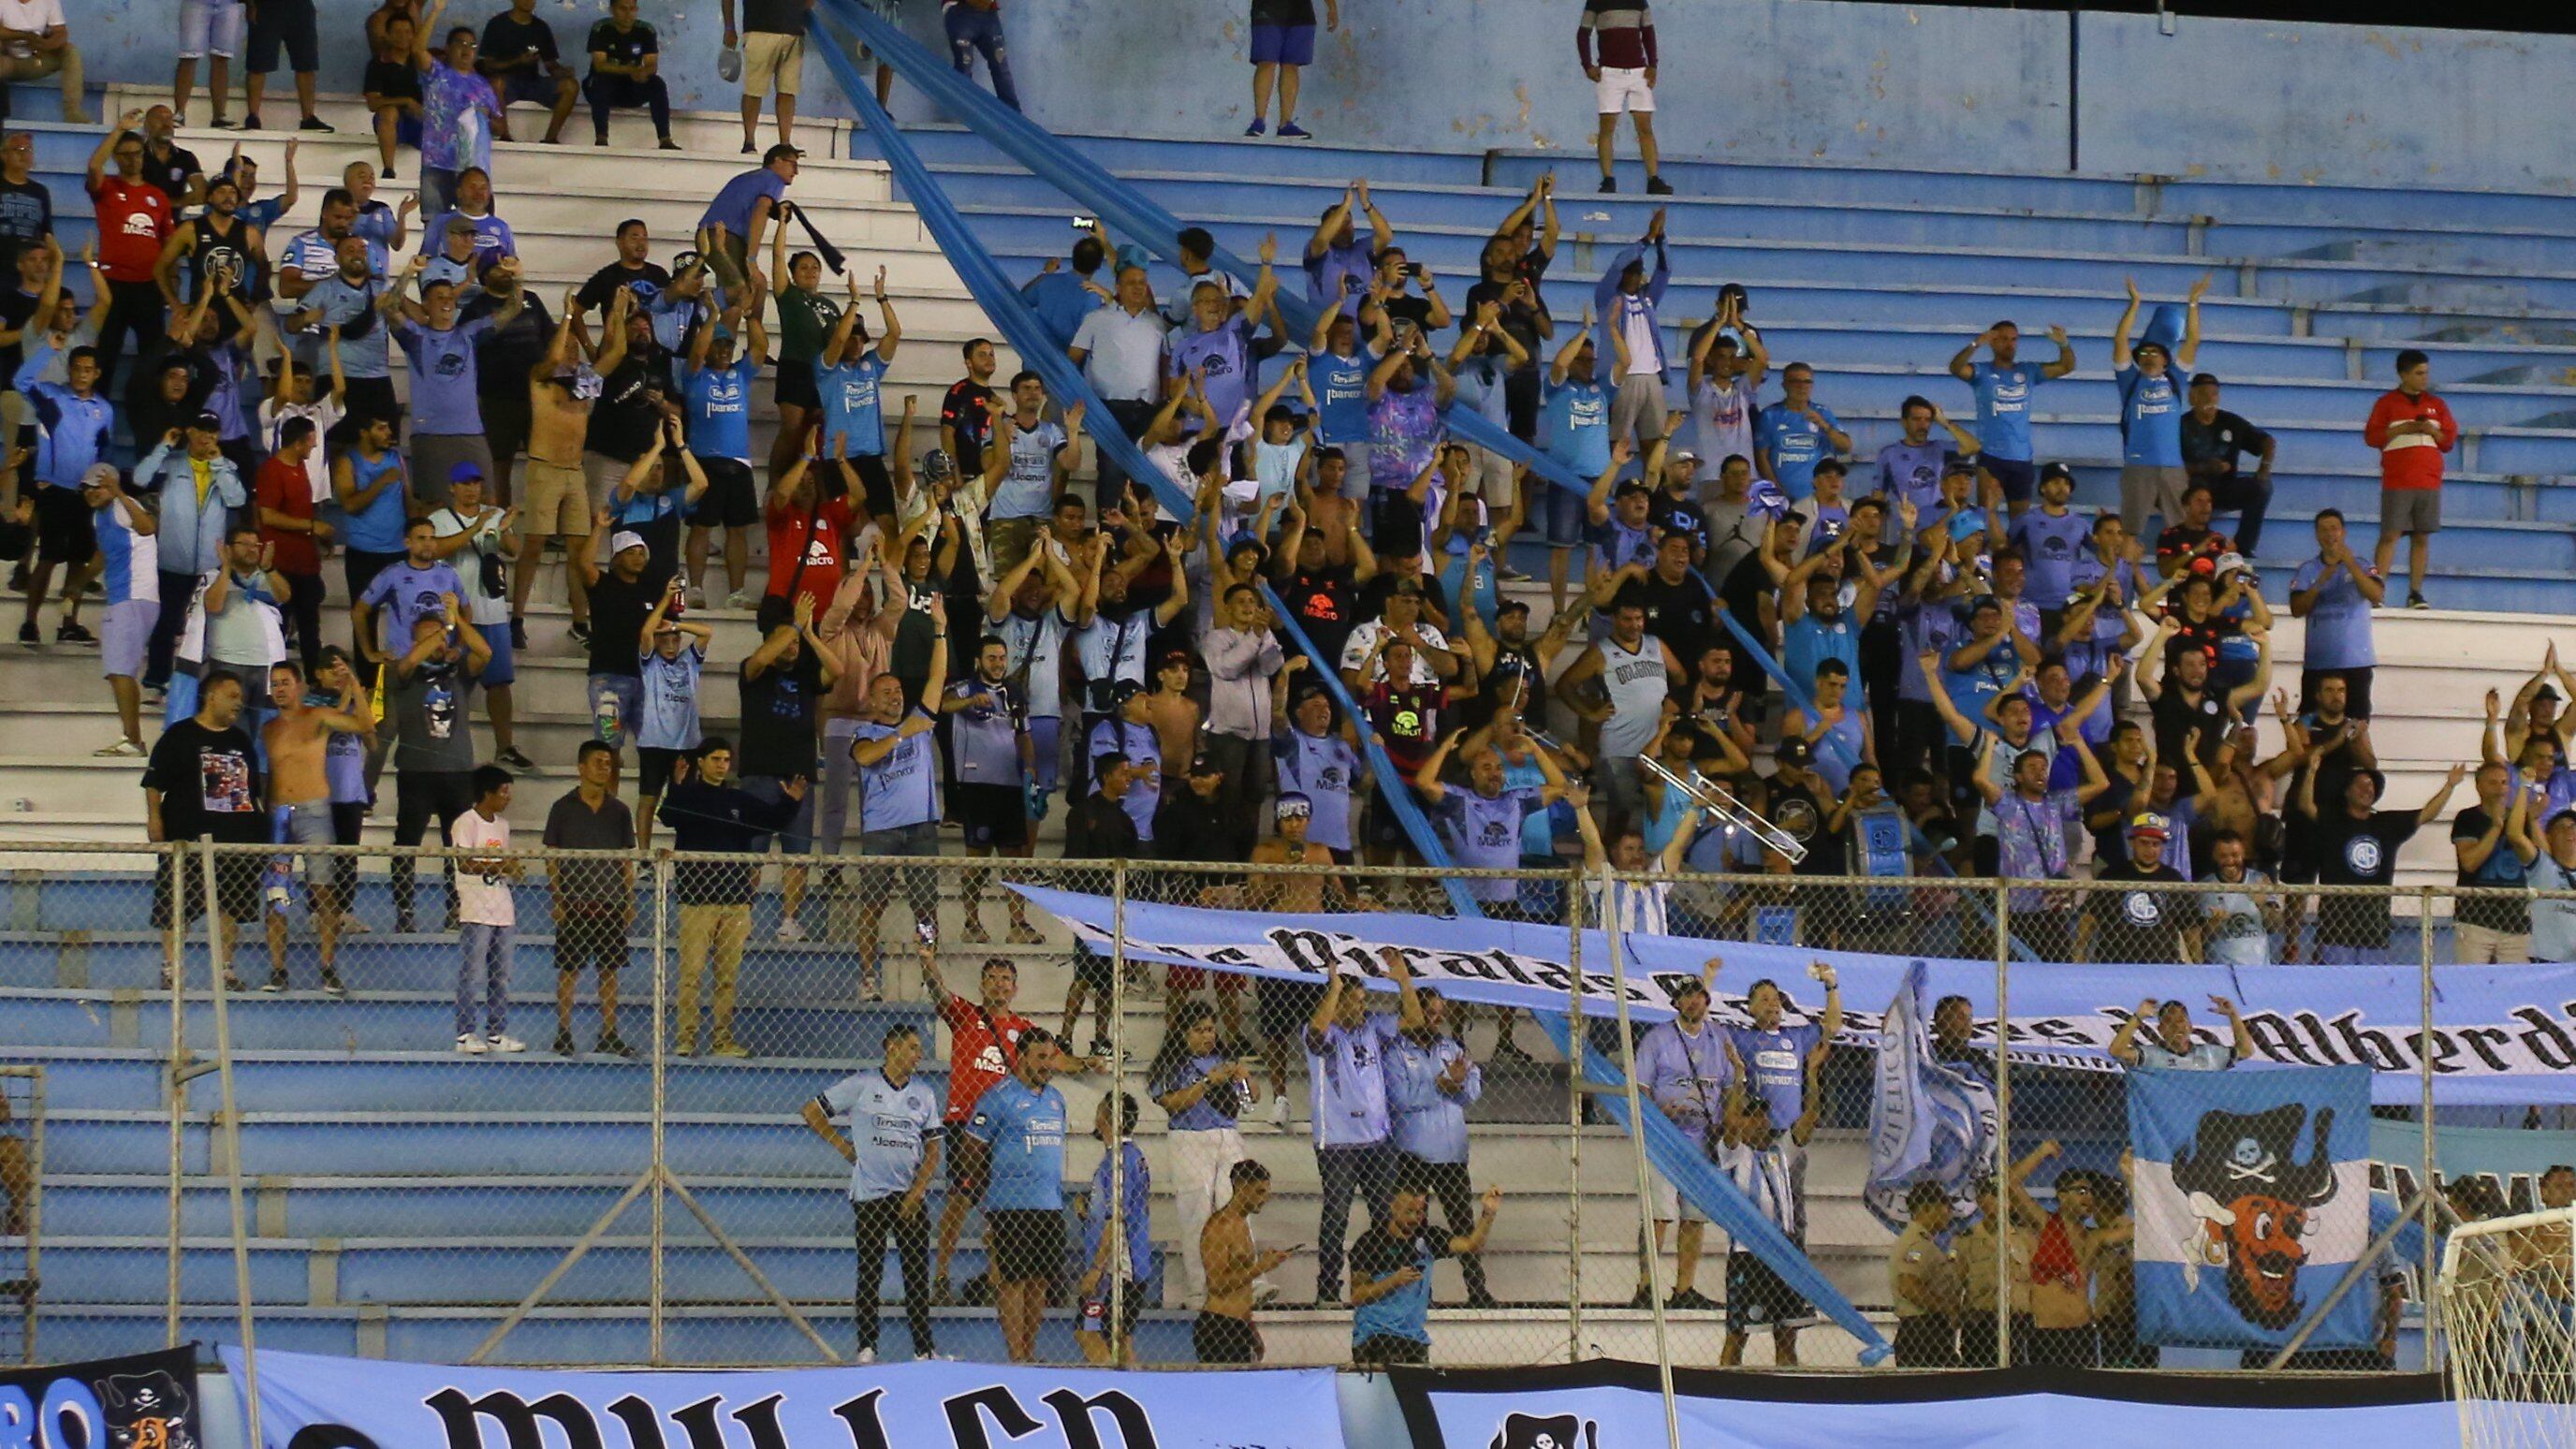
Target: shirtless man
(1223,1331)
(299,802)
(556,501)
(1175,718)
(1284,1005)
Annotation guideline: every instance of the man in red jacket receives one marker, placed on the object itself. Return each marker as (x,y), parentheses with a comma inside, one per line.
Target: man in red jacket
(2412,429)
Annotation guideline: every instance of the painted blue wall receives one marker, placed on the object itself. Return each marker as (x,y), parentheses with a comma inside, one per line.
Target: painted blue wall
(1769,80)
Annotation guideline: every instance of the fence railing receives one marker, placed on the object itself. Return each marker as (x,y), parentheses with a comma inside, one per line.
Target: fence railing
(581,1134)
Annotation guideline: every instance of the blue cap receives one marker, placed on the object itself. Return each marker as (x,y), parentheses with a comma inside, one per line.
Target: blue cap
(465,470)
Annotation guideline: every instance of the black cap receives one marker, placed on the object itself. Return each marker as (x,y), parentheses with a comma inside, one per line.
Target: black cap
(1688,986)
(1793,751)
(207,423)
(2055,470)
(781,149)
(1123,691)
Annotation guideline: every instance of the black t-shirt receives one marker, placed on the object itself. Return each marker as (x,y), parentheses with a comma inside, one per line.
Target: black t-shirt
(1682,614)
(26,215)
(2330,755)
(209,783)
(647,282)
(17,309)
(1322,602)
(778,717)
(775,17)
(1409,311)
(1800,814)
(572,825)
(1100,829)
(623,47)
(2219,441)
(968,409)
(504,356)
(2502,871)
(171,173)
(1742,592)
(618,610)
(2143,926)
(2346,851)
(623,421)
(506,38)
(2175,718)
(392,80)
(1283,12)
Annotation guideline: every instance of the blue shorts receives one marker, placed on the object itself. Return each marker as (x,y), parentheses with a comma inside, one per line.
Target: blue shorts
(1045,739)
(1283,45)
(616,707)
(2019,479)
(503,669)
(797,838)
(1567,513)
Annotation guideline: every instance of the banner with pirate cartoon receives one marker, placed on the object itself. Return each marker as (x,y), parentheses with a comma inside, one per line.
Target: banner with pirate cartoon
(2251,1196)
(141,1401)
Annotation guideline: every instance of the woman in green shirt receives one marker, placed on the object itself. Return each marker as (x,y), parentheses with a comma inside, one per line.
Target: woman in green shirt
(805,317)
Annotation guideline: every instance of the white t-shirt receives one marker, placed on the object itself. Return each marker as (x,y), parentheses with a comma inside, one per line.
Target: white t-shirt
(325,415)
(1365,637)
(482,900)
(30,15)
(481,607)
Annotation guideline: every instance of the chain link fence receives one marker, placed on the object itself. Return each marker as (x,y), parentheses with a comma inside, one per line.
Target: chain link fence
(622,1128)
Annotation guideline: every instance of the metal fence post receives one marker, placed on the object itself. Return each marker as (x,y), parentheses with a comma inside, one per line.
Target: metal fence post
(2003,1228)
(232,1133)
(1574,1118)
(1113,1227)
(176,1077)
(2424,1054)
(661,1168)
(1637,1144)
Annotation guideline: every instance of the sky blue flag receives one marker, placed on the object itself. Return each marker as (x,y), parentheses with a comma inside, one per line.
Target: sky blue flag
(1929,1120)
(2251,1197)
(1126,211)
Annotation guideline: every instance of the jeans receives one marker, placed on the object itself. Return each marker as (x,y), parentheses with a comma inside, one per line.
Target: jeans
(437,191)
(134,308)
(418,796)
(177,591)
(1447,1181)
(2249,496)
(971,31)
(874,1220)
(304,609)
(487,955)
(608,92)
(1369,1169)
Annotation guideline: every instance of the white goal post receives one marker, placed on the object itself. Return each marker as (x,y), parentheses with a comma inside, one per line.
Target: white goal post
(2507,1293)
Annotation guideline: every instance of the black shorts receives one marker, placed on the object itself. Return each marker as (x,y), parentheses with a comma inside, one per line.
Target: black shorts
(795,384)
(1285,1008)
(1093,970)
(876,485)
(2356,689)
(287,22)
(507,416)
(653,769)
(1024,1243)
(1093,1314)
(1215,1338)
(994,816)
(965,1179)
(1385,831)
(730,501)
(1386,1348)
(179,889)
(592,939)
(66,532)
(2019,478)
(1757,1298)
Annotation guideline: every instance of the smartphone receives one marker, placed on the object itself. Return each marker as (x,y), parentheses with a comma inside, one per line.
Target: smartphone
(1084,223)
(1414,269)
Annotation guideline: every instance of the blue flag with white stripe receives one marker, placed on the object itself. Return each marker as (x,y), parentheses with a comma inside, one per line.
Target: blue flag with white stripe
(1929,1120)
(2251,1198)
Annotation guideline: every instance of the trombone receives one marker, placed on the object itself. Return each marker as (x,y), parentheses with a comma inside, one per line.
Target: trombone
(1714,800)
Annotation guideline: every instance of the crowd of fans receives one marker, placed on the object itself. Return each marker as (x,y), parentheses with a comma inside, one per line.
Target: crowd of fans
(1762,650)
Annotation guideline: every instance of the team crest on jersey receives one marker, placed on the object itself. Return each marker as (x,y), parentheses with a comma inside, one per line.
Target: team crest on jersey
(2361,855)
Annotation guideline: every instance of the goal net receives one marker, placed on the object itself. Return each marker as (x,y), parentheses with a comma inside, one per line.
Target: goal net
(2507,1296)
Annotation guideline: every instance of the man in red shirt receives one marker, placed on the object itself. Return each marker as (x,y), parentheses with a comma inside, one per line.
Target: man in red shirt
(134,218)
(808,538)
(295,536)
(2412,429)
(983,1048)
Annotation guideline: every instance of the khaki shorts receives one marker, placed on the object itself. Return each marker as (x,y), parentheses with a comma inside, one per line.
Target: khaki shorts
(554,501)
(1496,483)
(772,61)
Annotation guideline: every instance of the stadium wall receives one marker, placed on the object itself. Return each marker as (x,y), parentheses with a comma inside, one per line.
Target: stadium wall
(1766,80)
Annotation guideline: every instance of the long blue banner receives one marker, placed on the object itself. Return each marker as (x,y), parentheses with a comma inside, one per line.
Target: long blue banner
(312,1402)
(2501,1034)
(1605,1405)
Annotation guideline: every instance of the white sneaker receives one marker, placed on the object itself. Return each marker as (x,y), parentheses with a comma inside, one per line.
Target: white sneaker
(1279,1112)
(697,597)
(739,599)
(791,929)
(471,1045)
(503,1042)
(866,1356)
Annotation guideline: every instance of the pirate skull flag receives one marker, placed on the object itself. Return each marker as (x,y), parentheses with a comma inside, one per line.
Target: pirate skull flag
(2251,1197)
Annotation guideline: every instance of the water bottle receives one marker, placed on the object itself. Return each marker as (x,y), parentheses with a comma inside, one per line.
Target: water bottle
(280,878)
(605,714)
